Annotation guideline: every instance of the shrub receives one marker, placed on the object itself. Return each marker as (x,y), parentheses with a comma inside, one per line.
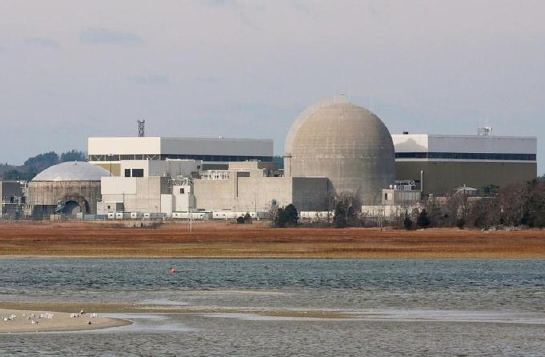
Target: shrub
(408,223)
(286,217)
(423,220)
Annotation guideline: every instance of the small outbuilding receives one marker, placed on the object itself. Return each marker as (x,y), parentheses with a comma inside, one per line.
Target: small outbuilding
(67,189)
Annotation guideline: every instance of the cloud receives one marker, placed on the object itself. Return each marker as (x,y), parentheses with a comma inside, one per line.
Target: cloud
(219,2)
(102,36)
(43,42)
(207,80)
(303,7)
(151,80)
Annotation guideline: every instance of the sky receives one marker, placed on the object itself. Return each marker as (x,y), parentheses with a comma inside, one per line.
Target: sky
(74,69)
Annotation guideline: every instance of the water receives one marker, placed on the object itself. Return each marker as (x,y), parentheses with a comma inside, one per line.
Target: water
(401,307)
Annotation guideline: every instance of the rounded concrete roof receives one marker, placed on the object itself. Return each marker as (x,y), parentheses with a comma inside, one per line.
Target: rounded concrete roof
(72,171)
(347,144)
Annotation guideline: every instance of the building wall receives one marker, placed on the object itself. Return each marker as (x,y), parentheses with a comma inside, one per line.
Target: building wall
(312,193)
(10,189)
(113,167)
(138,194)
(214,195)
(440,177)
(187,146)
(464,143)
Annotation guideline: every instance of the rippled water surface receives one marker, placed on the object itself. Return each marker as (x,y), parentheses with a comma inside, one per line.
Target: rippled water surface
(402,307)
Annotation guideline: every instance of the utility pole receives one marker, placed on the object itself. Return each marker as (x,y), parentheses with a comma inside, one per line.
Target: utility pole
(190,220)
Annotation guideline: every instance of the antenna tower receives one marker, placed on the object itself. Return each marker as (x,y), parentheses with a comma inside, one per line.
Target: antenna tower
(141,128)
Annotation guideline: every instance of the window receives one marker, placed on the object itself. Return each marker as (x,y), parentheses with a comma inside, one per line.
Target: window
(182,191)
(137,172)
(127,172)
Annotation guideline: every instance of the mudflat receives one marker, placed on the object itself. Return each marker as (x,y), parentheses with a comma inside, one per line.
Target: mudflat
(258,240)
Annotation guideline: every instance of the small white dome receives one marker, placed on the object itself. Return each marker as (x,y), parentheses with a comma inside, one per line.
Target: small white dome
(72,171)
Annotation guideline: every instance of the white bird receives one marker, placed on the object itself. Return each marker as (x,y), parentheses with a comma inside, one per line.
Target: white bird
(93,315)
(34,322)
(74,315)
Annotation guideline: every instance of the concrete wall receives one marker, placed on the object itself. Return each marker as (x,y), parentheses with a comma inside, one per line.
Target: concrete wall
(214,195)
(312,193)
(441,177)
(251,194)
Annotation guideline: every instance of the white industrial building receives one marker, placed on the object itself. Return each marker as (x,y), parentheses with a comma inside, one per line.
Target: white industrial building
(109,152)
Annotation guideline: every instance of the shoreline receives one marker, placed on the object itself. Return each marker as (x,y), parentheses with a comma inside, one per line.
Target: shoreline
(225,257)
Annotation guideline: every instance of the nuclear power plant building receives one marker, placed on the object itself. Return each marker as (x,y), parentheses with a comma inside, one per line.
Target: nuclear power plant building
(334,150)
(438,164)
(345,143)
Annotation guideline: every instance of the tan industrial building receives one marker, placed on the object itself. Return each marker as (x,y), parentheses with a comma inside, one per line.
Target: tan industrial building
(248,187)
(439,164)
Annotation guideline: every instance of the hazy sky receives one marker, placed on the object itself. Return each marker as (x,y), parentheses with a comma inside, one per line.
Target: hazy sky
(73,69)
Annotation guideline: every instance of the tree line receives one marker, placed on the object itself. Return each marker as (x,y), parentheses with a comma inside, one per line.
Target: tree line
(34,165)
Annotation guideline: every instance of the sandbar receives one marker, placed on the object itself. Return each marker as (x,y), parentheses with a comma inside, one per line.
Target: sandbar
(17,321)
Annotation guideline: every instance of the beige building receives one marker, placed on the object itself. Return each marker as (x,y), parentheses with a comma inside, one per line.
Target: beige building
(247,187)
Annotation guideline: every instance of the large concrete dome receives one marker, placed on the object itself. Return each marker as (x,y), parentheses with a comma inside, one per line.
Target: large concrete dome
(345,143)
(72,171)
